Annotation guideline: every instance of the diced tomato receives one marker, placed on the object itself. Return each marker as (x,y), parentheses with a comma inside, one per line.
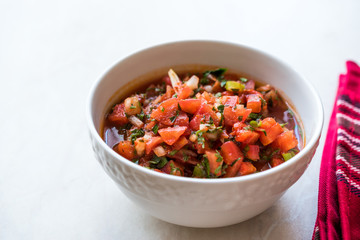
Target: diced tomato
(203,116)
(173,168)
(231,101)
(253,103)
(242,112)
(118,115)
(165,111)
(126,149)
(272,130)
(230,116)
(190,105)
(276,162)
(239,126)
(149,126)
(182,156)
(180,143)
(185,92)
(215,163)
(171,134)
(152,143)
(231,152)
(232,171)
(233,116)
(201,147)
(285,141)
(182,120)
(206,110)
(246,136)
(195,122)
(253,152)
(208,97)
(246,168)
(227,93)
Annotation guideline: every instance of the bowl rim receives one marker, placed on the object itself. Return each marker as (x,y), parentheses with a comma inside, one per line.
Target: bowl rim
(310,143)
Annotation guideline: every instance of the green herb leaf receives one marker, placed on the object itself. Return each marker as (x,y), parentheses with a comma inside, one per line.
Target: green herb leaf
(218,156)
(244,80)
(136,133)
(218,169)
(173,152)
(254,116)
(221,108)
(141,115)
(200,138)
(217,73)
(218,94)
(162,109)
(155,129)
(172,119)
(283,124)
(206,165)
(233,163)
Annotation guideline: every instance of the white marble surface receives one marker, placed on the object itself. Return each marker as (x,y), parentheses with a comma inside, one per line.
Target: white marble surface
(51,52)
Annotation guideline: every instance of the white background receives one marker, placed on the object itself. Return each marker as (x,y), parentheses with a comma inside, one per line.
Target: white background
(51,52)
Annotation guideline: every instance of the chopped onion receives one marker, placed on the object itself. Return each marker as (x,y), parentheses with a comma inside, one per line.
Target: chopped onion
(193,137)
(140,147)
(212,136)
(147,136)
(203,127)
(175,81)
(193,82)
(208,88)
(159,151)
(135,121)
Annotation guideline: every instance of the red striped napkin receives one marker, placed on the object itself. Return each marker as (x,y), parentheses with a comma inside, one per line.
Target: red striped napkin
(339,190)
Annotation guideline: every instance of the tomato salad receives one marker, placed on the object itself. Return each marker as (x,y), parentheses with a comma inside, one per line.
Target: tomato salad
(207,125)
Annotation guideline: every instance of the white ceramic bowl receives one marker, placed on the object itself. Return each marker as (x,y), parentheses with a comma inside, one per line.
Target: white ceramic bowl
(203,202)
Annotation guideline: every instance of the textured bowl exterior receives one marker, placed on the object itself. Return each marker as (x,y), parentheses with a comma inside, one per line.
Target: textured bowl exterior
(197,202)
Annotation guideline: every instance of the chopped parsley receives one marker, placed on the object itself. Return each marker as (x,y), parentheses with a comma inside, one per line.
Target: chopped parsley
(172,119)
(200,138)
(158,162)
(221,108)
(218,169)
(218,156)
(233,163)
(173,152)
(141,115)
(155,129)
(244,80)
(217,73)
(136,133)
